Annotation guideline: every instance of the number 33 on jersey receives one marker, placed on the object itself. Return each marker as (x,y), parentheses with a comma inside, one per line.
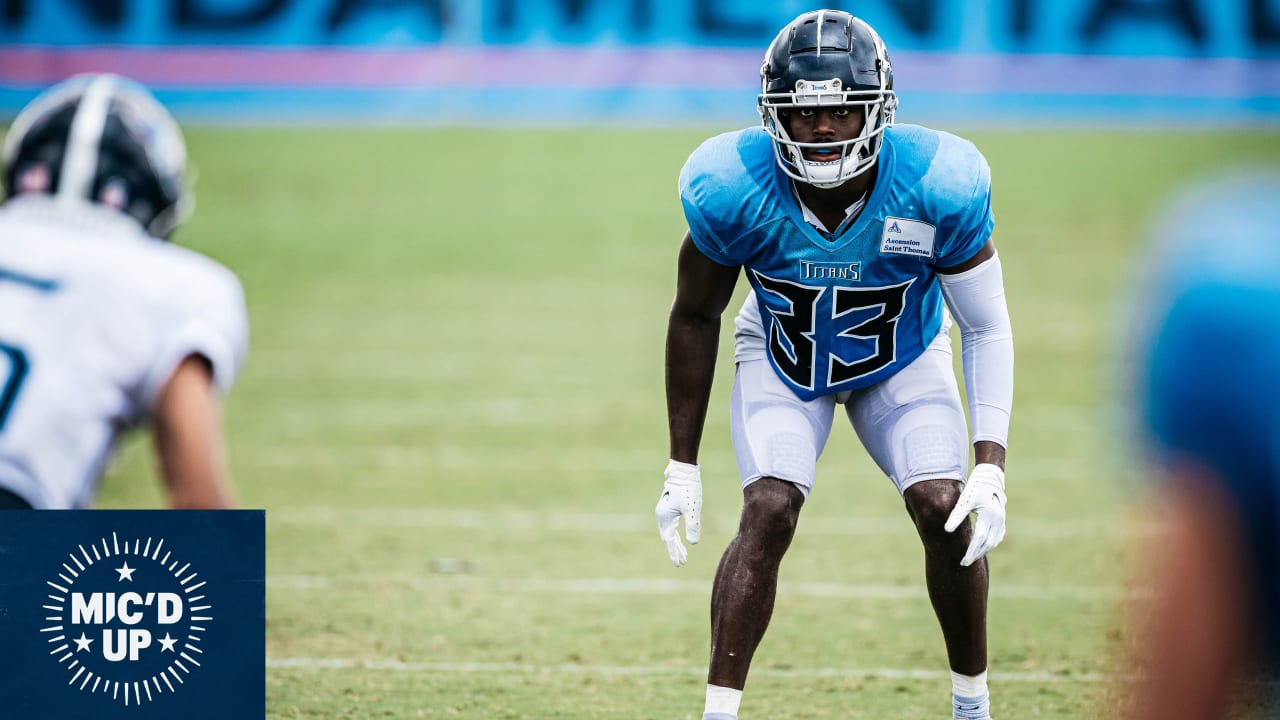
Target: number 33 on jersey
(846,310)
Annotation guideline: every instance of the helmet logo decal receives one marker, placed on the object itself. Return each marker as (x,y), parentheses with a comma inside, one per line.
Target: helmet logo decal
(819,92)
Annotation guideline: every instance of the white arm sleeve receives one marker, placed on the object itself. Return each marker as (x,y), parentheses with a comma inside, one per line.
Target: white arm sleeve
(976,300)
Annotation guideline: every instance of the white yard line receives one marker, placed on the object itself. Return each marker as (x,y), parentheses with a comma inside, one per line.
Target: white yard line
(304,663)
(644,586)
(638,522)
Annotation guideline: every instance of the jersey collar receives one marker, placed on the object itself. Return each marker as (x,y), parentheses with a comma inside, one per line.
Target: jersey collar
(75,213)
(847,231)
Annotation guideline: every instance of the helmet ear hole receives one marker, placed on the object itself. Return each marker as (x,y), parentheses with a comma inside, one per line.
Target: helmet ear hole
(125,179)
(33,158)
(33,177)
(114,194)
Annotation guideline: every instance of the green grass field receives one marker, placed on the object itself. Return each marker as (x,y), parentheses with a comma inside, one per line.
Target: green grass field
(453,412)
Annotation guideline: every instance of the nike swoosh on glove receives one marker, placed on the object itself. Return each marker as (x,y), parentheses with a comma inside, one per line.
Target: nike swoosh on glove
(983,495)
(681,496)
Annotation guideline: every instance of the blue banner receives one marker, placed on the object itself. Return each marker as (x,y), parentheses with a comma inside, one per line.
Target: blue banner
(133,615)
(1203,28)
(646,62)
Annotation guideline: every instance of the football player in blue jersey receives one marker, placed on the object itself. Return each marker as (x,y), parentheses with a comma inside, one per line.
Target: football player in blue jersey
(853,233)
(1209,405)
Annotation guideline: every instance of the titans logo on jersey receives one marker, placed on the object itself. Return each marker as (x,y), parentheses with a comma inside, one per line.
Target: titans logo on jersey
(847,310)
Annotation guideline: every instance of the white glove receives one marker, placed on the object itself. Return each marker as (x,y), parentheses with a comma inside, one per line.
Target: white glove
(984,495)
(681,495)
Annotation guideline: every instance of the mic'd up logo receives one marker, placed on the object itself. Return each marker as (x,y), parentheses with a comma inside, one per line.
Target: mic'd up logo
(126,620)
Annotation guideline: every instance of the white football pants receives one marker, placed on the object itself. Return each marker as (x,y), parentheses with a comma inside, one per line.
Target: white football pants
(912,424)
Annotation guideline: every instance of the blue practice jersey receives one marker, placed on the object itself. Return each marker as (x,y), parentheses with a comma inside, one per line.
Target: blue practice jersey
(1211,391)
(848,310)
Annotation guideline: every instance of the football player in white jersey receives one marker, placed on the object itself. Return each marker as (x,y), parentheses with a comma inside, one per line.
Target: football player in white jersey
(853,233)
(104,325)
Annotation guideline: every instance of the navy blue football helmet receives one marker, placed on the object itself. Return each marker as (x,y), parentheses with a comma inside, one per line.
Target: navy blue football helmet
(827,58)
(103,139)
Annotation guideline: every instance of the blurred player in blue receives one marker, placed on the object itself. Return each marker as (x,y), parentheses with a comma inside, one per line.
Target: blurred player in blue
(104,326)
(1208,375)
(852,233)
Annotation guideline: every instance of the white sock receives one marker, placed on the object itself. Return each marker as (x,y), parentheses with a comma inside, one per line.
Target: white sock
(970,698)
(723,700)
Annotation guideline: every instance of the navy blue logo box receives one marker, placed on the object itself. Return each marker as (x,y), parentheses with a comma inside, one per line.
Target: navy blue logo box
(132,614)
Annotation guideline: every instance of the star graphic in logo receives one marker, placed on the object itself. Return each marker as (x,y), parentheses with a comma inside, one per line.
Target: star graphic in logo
(171,592)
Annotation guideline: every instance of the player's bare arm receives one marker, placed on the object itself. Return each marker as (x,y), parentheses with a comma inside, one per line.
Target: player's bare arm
(987,252)
(989,453)
(1197,632)
(187,433)
(703,290)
